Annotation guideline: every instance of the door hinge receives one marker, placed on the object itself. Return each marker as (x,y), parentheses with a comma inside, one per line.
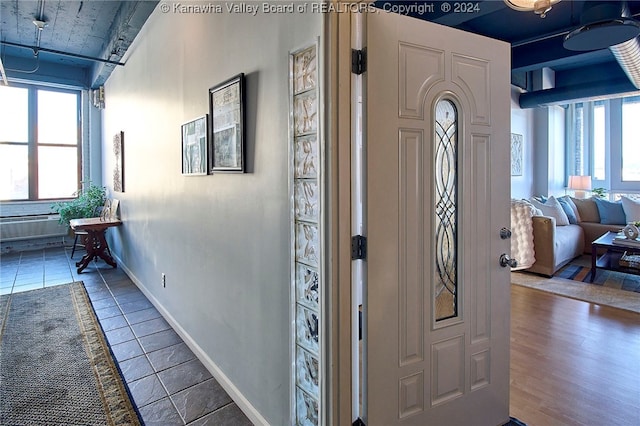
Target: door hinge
(358,247)
(358,61)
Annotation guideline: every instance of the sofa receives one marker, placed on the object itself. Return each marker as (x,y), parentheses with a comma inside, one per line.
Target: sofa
(555,246)
(566,227)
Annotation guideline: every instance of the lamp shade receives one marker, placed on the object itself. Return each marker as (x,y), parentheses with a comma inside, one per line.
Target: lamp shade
(580,183)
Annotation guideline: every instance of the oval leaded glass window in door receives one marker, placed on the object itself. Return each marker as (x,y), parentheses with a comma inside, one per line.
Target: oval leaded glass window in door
(445,277)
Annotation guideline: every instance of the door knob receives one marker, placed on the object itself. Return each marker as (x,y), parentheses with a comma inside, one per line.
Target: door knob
(507,261)
(505,233)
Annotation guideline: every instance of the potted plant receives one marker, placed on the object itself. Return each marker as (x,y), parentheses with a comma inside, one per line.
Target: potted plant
(599,192)
(87,204)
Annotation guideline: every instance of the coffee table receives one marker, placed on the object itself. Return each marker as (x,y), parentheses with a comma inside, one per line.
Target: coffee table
(610,260)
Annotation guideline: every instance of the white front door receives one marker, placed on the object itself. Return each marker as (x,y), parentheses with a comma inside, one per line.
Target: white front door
(438,189)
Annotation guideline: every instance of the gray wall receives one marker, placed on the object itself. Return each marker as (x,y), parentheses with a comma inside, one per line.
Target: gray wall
(222,240)
(543,151)
(522,124)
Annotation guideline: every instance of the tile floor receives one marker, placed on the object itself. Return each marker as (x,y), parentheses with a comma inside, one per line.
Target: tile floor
(169,385)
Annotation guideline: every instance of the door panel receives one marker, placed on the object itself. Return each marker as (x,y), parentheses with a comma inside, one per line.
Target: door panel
(421,370)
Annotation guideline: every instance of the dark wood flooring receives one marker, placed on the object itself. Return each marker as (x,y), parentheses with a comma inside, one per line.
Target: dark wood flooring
(572,362)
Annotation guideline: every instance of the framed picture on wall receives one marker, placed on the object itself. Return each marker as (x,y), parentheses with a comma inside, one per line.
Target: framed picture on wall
(118,167)
(516,154)
(226,111)
(195,147)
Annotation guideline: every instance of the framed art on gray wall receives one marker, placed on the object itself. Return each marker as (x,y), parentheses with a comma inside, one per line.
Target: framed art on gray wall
(516,154)
(226,111)
(194,147)
(118,167)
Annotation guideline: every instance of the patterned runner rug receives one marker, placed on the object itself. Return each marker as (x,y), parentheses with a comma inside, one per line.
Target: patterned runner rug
(55,365)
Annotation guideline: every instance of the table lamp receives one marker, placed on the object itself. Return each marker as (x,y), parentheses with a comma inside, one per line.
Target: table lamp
(580,184)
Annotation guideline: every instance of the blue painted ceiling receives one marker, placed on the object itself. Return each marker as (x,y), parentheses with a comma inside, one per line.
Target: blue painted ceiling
(79,43)
(537,43)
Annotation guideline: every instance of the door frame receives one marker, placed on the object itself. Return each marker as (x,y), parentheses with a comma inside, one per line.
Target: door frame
(338,28)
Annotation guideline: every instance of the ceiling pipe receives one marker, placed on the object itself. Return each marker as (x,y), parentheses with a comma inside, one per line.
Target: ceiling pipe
(59,52)
(566,94)
(628,56)
(607,25)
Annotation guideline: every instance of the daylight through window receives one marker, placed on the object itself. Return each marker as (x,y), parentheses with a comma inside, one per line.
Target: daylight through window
(602,141)
(39,143)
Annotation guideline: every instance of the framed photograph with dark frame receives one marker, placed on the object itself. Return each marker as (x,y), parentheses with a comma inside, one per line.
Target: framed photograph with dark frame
(195,160)
(226,111)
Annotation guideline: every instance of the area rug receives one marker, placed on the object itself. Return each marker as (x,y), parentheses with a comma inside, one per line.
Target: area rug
(55,365)
(580,270)
(602,294)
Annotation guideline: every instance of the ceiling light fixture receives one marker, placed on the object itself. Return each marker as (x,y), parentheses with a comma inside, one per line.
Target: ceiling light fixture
(540,7)
(602,25)
(609,25)
(601,35)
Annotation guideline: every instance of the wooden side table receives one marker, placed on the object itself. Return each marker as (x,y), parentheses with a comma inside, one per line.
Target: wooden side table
(95,242)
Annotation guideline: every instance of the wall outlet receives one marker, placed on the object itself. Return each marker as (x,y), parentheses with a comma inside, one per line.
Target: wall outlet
(164,280)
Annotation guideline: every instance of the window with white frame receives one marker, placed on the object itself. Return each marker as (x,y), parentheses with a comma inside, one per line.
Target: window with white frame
(40,149)
(601,141)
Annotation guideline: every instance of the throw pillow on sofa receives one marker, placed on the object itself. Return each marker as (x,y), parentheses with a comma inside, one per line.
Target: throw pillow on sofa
(610,213)
(631,209)
(552,208)
(587,209)
(570,209)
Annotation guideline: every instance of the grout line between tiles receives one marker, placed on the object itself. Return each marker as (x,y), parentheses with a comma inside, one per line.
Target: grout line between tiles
(144,351)
(100,280)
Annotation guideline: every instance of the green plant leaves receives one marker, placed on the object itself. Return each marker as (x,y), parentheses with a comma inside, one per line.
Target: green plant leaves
(86,205)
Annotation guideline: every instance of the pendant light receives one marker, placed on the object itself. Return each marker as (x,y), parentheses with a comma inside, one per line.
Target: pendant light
(540,7)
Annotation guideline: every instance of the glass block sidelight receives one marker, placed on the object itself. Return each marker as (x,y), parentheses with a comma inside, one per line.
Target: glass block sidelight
(305,70)
(307,243)
(307,280)
(306,409)
(306,198)
(305,113)
(446,214)
(307,326)
(308,377)
(306,157)
(306,207)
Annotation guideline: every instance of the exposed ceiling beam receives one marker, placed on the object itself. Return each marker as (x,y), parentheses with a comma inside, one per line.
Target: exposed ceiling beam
(551,53)
(597,81)
(127,23)
(563,95)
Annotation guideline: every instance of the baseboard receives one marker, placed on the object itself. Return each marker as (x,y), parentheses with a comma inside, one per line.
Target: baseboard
(247,408)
